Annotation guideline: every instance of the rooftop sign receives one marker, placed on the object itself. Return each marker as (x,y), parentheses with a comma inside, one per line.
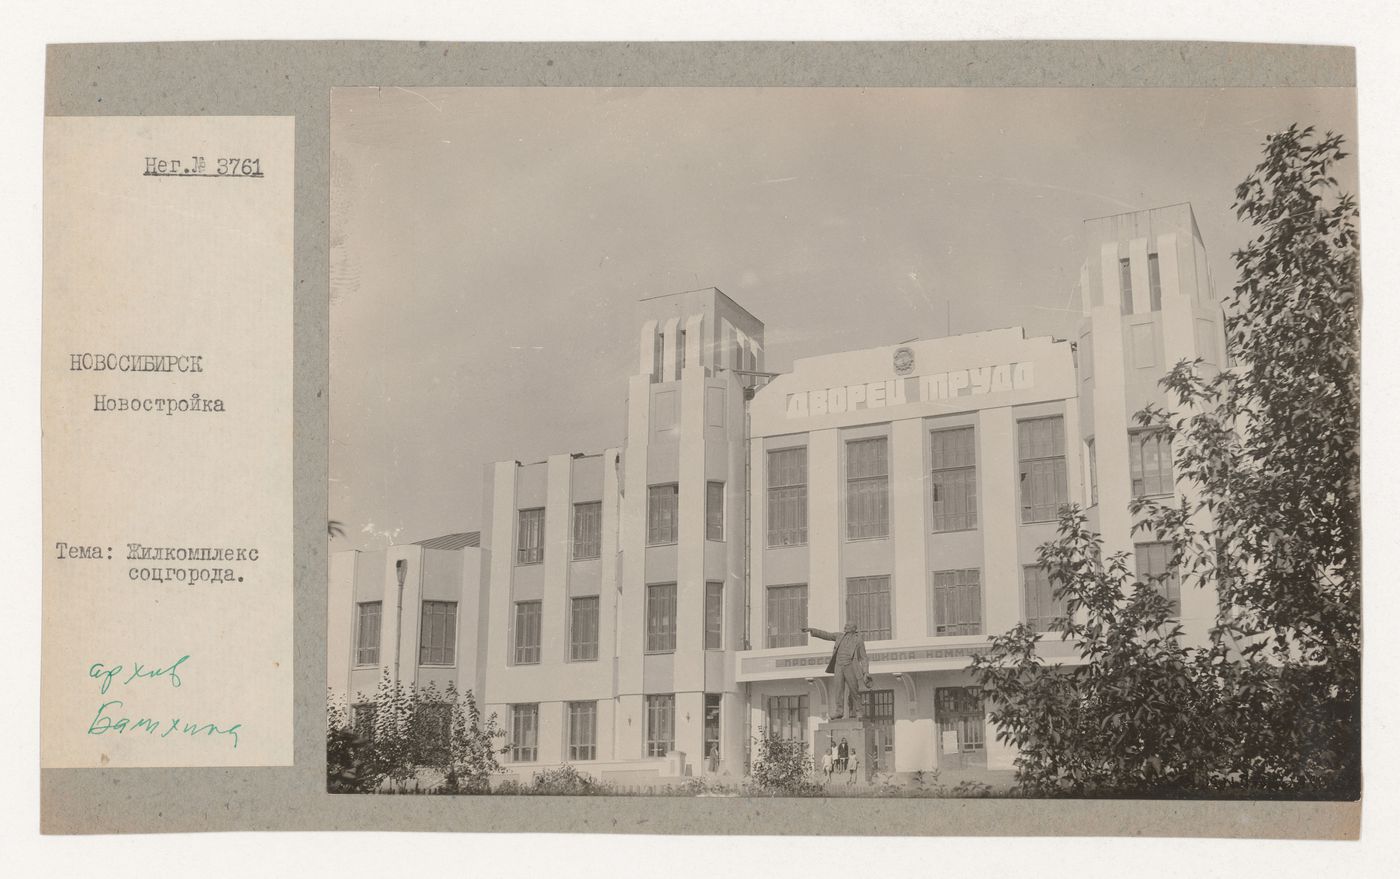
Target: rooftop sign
(996,379)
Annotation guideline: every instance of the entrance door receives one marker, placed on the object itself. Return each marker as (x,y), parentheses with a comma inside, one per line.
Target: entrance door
(962,726)
(878,709)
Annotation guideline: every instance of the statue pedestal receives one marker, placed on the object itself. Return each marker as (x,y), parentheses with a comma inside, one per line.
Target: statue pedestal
(860,739)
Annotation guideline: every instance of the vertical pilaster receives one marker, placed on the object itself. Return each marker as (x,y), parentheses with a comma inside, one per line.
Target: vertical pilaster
(558,537)
(823,530)
(998,512)
(908,489)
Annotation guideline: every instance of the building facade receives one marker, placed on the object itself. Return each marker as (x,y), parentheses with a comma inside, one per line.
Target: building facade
(640,611)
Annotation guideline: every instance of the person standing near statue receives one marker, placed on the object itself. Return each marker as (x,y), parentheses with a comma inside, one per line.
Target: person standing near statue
(850,665)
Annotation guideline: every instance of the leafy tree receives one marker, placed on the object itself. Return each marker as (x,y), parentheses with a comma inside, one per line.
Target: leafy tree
(1270,451)
(414,728)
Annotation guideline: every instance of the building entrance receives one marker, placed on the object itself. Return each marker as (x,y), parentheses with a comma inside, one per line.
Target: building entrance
(962,727)
(878,710)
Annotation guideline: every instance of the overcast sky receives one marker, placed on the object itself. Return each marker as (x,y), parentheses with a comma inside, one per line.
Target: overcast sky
(488,246)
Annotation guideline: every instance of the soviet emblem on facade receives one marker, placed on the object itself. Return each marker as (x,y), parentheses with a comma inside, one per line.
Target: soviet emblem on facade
(903,361)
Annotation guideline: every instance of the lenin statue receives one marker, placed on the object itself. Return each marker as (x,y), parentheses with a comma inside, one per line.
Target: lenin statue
(849,664)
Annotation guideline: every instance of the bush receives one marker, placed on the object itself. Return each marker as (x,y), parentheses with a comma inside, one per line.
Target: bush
(782,766)
(563,780)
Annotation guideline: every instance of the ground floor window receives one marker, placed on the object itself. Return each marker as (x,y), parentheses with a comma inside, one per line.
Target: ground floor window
(661,725)
(583,730)
(524,733)
(787,716)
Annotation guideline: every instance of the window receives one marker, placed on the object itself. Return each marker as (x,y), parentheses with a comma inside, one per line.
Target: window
(787,616)
(957,602)
(1154,281)
(588,530)
(1150,462)
(867,488)
(438,635)
(714,615)
(680,351)
(1041,444)
(787,497)
(367,632)
(954,479)
(583,730)
(362,719)
(1154,566)
(530,546)
(661,618)
(661,725)
(960,710)
(661,513)
(433,724)
(714,511)
(712,726)
(1093,473)
(1044,611)
(868,606)
(583,629)
(524,733)
(658,358)
(1125,286)
(787,717)
(527,632)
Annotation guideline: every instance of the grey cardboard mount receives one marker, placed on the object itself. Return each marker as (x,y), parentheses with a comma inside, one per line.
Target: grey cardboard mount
(296,78)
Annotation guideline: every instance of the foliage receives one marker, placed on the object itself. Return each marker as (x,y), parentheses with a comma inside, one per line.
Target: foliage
(347,754)
(781,765)
(1274,448)
(413,728)
(563,780)
(1270,451)
(335,528)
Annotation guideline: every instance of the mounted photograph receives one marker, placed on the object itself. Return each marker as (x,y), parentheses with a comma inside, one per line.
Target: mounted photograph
(843,442)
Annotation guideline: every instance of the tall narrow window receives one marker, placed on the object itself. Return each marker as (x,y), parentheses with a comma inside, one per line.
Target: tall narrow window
(787,497)
(583,730)
(1041,445)
(957,602)
(787,616)
(1093,472)
(712,726)
(1044,612)
(868,606)
(954,479)
(583,629)
(661,618)
(787,717)
(367,632)
(867,488)
(1125,286)
(524,733)
(1150,463)
(661,725)
(438,635)
(1154,566)
(588,530)
(680,351)
(714,615)
(658,359)
(662,501)
(527,632)
(1154,281)
(530,540)
(714,511)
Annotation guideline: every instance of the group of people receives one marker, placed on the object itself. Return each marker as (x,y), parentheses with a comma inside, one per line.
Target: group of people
(841,758)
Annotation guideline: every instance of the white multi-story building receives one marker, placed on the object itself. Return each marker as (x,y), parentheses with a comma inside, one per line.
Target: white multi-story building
(639,612)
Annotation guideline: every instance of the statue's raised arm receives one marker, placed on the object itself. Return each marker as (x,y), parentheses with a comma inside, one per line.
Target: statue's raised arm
(822,633)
